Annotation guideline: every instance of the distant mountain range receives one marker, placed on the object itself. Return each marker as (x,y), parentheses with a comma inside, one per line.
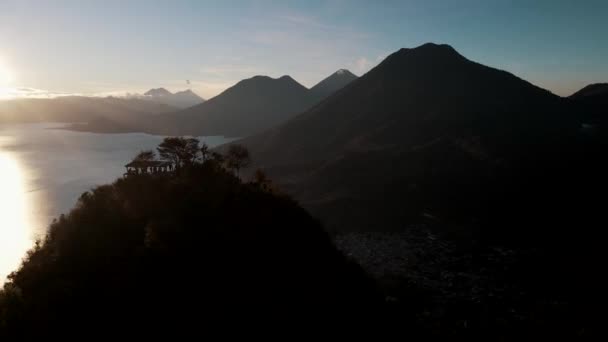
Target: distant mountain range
(180,99)
(247,107)
(99,114)
(251,106)
(117,112)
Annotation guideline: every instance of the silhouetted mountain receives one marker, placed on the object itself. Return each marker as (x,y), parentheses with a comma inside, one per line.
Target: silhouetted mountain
(429,132)
(597,89)
(185,99)
(485,160)
(181,99)
(250,106)
(591,106)
(331,84)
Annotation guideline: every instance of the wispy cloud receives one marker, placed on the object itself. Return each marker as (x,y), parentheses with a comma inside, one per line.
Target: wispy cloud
(364,64)
(7,93)
(361,65)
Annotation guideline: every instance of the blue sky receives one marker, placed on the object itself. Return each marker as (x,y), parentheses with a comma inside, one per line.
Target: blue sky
(118,46)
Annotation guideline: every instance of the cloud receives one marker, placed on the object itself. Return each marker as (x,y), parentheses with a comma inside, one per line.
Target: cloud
(362,65)
(32,93)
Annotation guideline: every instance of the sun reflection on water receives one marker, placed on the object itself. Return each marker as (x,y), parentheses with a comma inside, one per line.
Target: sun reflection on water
(16,235)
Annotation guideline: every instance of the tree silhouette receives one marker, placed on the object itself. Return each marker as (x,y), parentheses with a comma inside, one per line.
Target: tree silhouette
(237,158)
(260,178)
(147,155)
(179,150)
(205,152)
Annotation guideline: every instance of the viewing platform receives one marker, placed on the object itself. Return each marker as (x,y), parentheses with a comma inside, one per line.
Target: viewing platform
(139,167)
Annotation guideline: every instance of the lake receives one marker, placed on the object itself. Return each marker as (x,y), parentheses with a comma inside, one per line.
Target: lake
(43,171)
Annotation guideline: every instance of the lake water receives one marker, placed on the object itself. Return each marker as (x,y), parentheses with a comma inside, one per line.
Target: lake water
(43,171)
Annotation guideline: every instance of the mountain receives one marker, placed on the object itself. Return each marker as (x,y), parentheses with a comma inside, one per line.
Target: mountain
(591,104)
(158,92)
(250,106)
(185,99)
(332,83)
(597,89)
(427,134)
(116,111)
(181,99)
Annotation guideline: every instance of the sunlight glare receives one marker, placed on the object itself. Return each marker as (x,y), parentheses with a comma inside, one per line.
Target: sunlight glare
(15,229)
(6,78)
(6,75)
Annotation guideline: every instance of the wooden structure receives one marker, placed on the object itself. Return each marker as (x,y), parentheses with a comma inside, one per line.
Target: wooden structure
(138,167)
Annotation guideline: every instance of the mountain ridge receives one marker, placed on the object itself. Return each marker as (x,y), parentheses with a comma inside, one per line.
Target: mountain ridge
(332,83)
(250,106)
(591,90)
(423,117)
(181,99)
(158,92)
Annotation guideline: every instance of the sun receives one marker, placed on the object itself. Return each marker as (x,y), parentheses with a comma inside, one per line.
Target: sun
(6,75)
(6,78)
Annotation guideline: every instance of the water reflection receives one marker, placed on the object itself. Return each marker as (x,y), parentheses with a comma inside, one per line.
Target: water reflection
(16,236)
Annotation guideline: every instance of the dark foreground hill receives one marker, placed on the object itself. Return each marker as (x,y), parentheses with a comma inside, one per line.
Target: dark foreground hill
(171,253)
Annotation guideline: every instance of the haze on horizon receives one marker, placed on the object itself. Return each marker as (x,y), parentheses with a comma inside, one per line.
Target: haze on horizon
(110,47)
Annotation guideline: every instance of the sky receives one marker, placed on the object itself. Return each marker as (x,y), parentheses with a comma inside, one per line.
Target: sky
(111,47)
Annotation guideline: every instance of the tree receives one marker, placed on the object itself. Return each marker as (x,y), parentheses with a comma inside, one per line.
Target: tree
(205,152)
(179,150)
(147,155)
(237,158)
(261,179)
